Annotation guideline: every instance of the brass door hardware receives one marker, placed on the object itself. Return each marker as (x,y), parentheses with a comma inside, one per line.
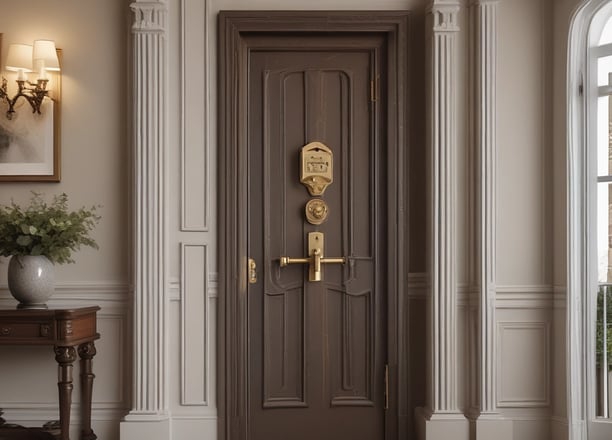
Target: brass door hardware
(387,386)
(316,248)
(316,211)
(252,271)
(317,170)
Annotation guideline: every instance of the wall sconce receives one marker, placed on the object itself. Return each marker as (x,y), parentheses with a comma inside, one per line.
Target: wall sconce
(24,59)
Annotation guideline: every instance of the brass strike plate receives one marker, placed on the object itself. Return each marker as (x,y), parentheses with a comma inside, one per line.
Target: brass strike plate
(252,271)
(317,171)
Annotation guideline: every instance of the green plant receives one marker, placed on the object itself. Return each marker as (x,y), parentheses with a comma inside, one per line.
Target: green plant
(599,329)
(46,229)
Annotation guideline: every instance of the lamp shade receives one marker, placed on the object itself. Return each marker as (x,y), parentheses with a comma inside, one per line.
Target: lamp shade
(19,57)
(44,55)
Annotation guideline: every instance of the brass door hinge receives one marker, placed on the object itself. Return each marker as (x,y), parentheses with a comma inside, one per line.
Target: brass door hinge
(387,386)
(373,87)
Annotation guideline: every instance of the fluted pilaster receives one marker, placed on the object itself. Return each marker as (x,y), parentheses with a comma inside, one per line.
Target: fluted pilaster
(490,424)
(149,85)
(441,418)
(445,28)
(485,71)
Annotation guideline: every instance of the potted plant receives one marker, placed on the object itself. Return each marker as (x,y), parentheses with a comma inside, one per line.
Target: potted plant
(38,236)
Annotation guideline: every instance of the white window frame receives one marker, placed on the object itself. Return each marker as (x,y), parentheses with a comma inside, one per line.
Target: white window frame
(582,285)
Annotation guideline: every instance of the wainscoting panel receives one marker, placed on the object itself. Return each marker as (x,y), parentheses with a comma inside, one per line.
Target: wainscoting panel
(194,313)
(523,364)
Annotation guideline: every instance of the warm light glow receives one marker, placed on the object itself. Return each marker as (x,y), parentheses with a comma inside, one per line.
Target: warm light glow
(19,58)
(44,55)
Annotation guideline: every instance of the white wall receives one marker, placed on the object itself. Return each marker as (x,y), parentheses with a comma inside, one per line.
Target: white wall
(524,221)
(95,168)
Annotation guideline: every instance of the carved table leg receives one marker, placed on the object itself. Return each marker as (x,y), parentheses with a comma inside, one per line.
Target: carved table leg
(65,356)
(86,352)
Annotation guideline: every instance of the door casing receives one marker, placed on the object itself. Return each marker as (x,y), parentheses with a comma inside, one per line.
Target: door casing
(232,362)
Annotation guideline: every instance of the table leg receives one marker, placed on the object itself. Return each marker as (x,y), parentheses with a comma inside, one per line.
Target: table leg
(65,356)
(86,352)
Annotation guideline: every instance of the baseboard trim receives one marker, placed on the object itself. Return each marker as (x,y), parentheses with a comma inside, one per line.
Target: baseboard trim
(145,426)
(493,427)
(441,426)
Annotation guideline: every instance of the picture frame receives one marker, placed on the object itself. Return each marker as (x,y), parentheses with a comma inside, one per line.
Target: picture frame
(30,142)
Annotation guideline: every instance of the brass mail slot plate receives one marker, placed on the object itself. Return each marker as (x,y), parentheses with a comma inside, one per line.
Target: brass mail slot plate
(317,171)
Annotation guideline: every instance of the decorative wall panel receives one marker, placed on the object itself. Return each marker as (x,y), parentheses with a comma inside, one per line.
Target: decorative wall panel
(523,364)
(195,106)
(194,328)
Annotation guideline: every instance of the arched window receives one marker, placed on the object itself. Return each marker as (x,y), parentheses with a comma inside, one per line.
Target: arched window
(600,86)
(589,167)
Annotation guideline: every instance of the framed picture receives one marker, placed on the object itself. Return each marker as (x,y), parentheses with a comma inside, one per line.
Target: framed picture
(30,142)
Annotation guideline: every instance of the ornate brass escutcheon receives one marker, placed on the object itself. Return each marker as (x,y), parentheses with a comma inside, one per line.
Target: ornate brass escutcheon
(316,211)
(316,247)
(317,170)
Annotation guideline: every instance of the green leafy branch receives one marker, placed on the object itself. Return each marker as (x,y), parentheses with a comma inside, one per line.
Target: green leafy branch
(46,229)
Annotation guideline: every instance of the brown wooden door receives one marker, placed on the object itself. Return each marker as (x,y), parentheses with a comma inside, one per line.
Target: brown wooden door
(317,350)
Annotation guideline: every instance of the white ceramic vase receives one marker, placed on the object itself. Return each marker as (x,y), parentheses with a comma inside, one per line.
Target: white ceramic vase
(31,280)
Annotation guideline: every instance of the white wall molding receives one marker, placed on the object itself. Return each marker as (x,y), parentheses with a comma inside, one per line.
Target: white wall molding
(39,414)
(524,297)
(150,158)
(174,290)
(104,293)
(560,297)
(213,285)
(195,417)
(467,295)
(539,373)
(442,416)
(195,109)
(194,324)
(559,428)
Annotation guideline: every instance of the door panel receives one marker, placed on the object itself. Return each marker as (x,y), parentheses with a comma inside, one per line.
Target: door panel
(316,350)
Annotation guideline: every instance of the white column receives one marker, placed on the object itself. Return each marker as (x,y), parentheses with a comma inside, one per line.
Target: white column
(489,424)
(442,418)
(149,415)
(443,265)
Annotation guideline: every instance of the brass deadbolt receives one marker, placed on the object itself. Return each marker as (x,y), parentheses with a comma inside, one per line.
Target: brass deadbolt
(316,211)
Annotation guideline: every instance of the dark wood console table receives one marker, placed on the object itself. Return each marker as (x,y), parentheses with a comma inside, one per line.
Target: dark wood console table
(69,331)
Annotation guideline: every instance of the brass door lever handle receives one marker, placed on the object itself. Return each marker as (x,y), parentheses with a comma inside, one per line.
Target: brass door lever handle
(316,258)
(286,261)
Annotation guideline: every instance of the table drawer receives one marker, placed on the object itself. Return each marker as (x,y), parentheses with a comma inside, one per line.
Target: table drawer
(27,331)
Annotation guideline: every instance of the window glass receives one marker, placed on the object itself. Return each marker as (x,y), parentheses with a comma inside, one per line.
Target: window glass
(603,136)
(603,333)
(604,67)
(606,34)
(603,233)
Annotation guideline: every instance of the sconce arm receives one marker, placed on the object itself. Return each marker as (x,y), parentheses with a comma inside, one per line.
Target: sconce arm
(34,95)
